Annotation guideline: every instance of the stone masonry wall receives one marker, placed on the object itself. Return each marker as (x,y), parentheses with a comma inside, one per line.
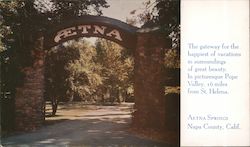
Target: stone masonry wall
(29,100)
(149,84)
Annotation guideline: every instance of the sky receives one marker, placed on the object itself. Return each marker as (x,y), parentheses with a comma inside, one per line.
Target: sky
(120,9)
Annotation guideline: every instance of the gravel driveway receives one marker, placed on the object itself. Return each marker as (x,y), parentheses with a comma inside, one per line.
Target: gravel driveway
(91,126)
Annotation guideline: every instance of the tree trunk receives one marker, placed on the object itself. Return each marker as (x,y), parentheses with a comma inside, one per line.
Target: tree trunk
(54,103)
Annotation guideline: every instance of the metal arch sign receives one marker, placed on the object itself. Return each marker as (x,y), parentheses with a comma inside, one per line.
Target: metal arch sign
(92,26)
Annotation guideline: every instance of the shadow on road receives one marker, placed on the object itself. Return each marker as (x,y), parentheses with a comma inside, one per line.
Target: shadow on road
(105,127)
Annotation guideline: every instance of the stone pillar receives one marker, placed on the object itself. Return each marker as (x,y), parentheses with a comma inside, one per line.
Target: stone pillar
(150,111)
(29,100)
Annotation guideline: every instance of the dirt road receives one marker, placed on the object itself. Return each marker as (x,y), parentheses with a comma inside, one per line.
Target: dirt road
(88,126)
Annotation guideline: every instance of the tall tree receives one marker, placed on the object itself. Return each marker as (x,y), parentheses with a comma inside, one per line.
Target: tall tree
(71,71)
(166,14)
(84,72)
(117,68)
(22,20)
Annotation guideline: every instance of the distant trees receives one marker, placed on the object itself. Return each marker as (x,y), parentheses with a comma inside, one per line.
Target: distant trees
(84,72)
(117,69)
(80,71)
(56,84)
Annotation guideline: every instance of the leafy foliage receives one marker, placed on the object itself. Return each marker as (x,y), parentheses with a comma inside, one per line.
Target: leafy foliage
(69,72)
(84,76)
(21,22)
(25,18)
(78,70)
(117,69)
(166,14)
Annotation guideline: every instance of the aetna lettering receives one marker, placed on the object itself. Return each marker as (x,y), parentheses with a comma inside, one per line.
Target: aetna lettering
(87,29)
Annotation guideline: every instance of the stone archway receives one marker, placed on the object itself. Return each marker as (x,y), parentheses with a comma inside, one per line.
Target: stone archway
(92,26)
(148,46)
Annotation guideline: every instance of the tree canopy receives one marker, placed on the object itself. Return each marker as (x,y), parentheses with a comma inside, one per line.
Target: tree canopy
(22,20)
(85,70)
(97,73)
(166,14)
